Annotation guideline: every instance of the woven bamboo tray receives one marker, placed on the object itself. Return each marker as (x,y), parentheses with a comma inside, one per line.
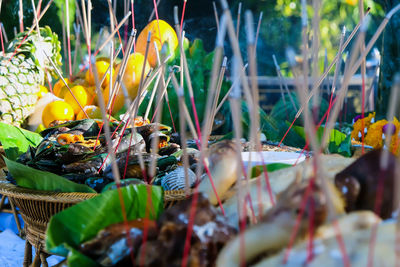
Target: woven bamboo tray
(37,207)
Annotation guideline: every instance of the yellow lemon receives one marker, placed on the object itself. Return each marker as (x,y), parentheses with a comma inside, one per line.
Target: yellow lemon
(133,73)
(57,111)
(101,67)
(80,94)
(60,89)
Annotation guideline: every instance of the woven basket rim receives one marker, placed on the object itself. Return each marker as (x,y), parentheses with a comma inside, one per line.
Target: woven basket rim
(11,190)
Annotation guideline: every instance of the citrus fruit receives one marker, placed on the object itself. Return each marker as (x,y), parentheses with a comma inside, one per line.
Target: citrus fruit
(91,93)
(80,94)
(161,32)
(101,67)
(118,100)
(92,111)
(57,111)
(131,78)
(60,89)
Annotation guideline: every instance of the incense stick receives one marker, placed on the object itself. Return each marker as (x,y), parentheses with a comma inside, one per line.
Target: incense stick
(111,36)
(21,16)
(121,72)
(384,164)
(216,15)
(236,50)
(227,94)
(136,102)
(254,111)
(68,37)
(183,15)
(350,64)
(337,70)
(77,29)
(2,42)
(4,32)
(282,81)
(181,100)
(212,88)
(113,18)
(217,93)
(186,72)
(238,19)
(35,18)
(311,137)
(65,83)
(257,32)
(322,77)
(64,38)
(314,54)
(234,101)
(153,12)
(155,86)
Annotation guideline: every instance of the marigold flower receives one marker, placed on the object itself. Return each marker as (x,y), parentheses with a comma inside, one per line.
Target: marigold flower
(358,126)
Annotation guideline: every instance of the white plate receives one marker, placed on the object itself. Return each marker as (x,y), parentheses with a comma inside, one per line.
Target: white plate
(269,157)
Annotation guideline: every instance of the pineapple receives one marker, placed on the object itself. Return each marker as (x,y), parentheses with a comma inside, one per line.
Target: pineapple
(21,77)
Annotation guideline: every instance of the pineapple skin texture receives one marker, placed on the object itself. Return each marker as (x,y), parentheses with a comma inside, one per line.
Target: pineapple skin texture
(22,71)
(19,85)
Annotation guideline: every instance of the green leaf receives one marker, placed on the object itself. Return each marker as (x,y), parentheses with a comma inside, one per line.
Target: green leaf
(343,147)
(75,258)
(259,169)
(338,142)
(81,222)
(31,178)
(16,141)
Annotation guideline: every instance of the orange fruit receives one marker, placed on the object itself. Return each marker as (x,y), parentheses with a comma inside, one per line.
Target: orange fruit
(101,67)
(57,111)
(161,32)
(118,102)
(93,112)
(131,78)
(92,96)
(80,94)
(60,89)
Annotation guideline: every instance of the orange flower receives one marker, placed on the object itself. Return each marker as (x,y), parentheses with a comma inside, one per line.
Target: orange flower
(357,126)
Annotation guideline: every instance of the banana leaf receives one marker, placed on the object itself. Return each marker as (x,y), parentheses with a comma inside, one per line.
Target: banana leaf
(80,223)
(16,141)
(31,178)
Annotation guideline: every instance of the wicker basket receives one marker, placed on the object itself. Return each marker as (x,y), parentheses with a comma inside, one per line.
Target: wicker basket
(37,207)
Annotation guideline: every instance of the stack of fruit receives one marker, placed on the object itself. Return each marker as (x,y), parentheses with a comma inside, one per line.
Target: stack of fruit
(69,106)
(18,102)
